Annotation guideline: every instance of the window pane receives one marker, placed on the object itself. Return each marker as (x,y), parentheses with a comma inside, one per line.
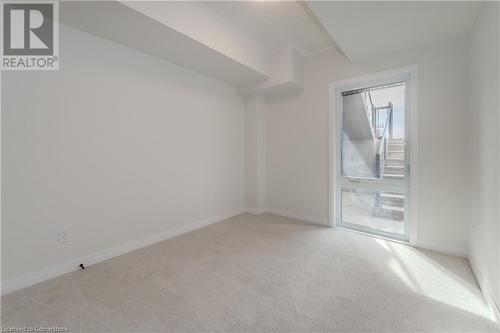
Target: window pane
(373,137)
(381,211)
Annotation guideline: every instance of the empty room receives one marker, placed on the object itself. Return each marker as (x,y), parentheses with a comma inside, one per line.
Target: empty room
(250,166)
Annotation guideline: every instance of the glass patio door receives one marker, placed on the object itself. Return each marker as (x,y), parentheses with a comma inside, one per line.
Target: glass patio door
(373,167)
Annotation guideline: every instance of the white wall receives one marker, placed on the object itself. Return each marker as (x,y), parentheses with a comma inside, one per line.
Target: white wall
(484,232)
(114,146)
(297,140)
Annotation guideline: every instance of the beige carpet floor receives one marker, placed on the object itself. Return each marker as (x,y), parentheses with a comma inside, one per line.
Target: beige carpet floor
(261,274)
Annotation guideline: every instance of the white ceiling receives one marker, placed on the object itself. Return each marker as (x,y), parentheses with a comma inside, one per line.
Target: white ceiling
(366,30)
(122,24)
(276,24)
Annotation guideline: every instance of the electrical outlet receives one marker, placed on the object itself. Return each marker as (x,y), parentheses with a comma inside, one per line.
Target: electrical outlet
(63,236)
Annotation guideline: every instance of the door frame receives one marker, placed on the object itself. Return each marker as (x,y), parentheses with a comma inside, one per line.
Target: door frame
(409,73)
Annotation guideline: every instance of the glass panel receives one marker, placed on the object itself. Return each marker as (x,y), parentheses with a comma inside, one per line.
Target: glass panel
(373,133)
(377,210)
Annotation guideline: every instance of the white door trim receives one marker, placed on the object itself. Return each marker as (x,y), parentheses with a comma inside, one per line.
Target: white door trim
(333,162)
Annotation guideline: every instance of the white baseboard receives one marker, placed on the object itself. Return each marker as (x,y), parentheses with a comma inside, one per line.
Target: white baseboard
(297,216)
(254,211)
(487,292)
(453,250)
(44,274)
